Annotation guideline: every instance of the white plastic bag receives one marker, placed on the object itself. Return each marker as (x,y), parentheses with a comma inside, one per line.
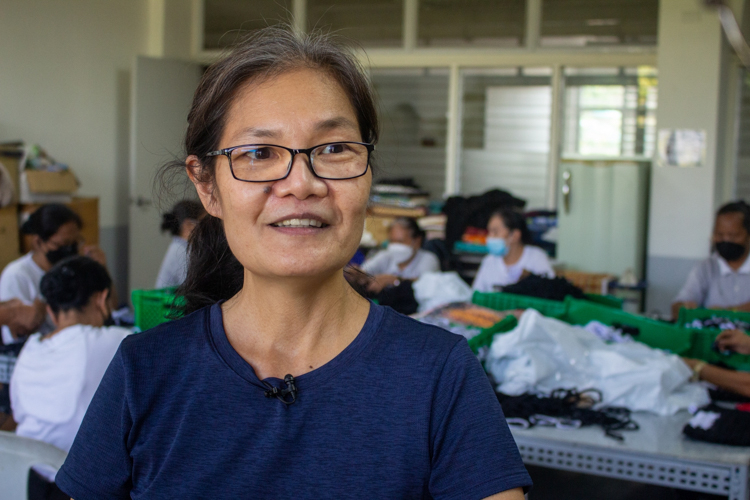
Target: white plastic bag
(437,289)
(542,354)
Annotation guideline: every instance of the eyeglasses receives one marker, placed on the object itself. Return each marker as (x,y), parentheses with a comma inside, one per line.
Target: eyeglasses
(269,162)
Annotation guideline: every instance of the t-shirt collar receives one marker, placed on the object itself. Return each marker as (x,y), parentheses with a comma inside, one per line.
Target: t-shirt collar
(726,270)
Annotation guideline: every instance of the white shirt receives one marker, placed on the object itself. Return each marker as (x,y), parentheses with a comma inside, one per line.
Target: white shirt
(54,380)
(384,263)
(712,283)
(493,271)
(173,268)
(20,280)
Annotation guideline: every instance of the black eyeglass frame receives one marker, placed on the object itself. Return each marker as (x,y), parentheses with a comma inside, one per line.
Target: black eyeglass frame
(294,152)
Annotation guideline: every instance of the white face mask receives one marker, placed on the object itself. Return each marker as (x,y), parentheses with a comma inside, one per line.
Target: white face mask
(400,251)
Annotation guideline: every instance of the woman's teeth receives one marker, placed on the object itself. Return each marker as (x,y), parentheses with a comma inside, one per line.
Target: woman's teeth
(299,223)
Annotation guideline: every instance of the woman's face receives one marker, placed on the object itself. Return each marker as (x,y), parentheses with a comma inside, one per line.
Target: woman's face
(496,228)
(68,234)
(298,109)
(399,234)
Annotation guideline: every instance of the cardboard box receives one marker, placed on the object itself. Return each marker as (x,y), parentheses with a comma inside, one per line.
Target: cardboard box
(378,227)
(86,208)
(9,245)
(43,182)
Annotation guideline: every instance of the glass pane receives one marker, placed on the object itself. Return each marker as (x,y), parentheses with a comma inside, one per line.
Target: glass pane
(413,104)
(506,122)
(743,141)
(455,23)
(372,23)
(225,20)
(597,22)
(610,113)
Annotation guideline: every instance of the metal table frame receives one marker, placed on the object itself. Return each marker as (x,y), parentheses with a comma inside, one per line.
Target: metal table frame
(664,458)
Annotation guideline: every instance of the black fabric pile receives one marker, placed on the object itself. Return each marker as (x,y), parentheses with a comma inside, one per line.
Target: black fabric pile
(730,427)
(475,211)
(400,297)
(545,288)
(566,408)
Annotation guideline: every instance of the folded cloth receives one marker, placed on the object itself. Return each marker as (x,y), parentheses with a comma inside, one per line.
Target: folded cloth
(715,424)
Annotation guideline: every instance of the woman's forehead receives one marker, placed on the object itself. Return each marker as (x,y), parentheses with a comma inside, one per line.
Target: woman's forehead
(304,98)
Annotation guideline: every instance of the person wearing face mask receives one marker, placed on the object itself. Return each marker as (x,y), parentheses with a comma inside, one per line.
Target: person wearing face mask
(57,373)
(510,254)
(403,259)
(180,222)
(723,280)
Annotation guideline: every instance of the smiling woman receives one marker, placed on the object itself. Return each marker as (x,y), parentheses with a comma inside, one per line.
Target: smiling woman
(281,381)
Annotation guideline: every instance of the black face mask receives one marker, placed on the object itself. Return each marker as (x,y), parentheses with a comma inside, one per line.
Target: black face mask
(730,251)
(55,256)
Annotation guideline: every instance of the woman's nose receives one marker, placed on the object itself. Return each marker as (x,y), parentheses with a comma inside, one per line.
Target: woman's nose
(301,181)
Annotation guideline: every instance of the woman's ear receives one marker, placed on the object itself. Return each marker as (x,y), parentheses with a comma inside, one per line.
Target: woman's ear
(36,242)
(515,236)
(102,301)
(206,190)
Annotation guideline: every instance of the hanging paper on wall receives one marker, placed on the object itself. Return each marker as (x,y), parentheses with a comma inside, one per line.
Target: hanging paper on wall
(681,148)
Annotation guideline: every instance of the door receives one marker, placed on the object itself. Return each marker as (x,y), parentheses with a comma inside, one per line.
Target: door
(162,91)
(602,215)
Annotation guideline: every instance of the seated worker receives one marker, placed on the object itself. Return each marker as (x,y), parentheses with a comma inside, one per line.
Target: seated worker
(510,254)
(403,259)
(180,221)
(56,232)
(731,380)
(57,373)
(723,280)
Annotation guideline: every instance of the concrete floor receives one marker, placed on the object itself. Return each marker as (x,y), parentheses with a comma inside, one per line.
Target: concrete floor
(550,484)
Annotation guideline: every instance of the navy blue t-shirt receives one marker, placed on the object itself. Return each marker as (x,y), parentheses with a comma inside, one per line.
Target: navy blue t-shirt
(405,411)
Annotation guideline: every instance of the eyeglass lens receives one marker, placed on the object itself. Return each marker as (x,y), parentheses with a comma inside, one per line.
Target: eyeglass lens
(331,161)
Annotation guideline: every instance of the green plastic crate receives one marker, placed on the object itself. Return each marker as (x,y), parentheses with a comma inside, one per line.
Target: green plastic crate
(605,300)
(501,301)
(153,307)
(484,338)
(702,348)
(652,332)
(688,315)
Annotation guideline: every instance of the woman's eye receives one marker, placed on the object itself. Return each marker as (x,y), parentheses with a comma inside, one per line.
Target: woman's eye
(333,149)
(259,154)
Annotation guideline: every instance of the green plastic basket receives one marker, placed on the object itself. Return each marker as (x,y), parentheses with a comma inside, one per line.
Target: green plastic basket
(702,348)
(153,307)
(688,315)
(605,300)
(500,301)
(652,332)
(484,338)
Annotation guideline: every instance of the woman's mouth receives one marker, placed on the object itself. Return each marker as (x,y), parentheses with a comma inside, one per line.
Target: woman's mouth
(303,223)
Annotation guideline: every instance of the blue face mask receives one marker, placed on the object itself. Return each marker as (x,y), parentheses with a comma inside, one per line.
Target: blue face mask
(497,246)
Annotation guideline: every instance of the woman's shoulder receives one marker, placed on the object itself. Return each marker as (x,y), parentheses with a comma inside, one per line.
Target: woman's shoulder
(18,267)
(414,338)
(175,336)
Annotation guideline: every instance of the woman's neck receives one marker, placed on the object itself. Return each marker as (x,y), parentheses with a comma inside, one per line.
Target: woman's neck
(66,319)
(515,252)
(41,260)
(295,325)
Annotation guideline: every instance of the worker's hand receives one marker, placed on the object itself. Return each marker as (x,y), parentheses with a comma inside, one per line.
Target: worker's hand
(26,320)
(733,340)
(95,253)
(381,281)
(689,305)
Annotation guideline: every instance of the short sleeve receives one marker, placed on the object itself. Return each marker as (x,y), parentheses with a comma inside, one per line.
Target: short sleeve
(695,288)
(540,264)
(14,285)
(474,455)
(99,464)
(430,263)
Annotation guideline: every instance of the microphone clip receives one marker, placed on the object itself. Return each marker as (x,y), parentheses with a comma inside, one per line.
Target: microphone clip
(287,396)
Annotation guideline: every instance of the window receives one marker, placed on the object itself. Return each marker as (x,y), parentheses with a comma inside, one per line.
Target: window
(413,105)
(610,112)
(743,144)
(506,132)
(599,22)
(225,20)
(372,23)
(457,23)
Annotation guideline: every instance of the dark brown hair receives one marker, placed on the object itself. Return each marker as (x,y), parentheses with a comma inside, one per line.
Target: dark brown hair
(214,273)
(513,219)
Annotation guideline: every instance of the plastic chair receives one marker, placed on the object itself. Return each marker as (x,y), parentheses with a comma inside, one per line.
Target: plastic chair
(17,456)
